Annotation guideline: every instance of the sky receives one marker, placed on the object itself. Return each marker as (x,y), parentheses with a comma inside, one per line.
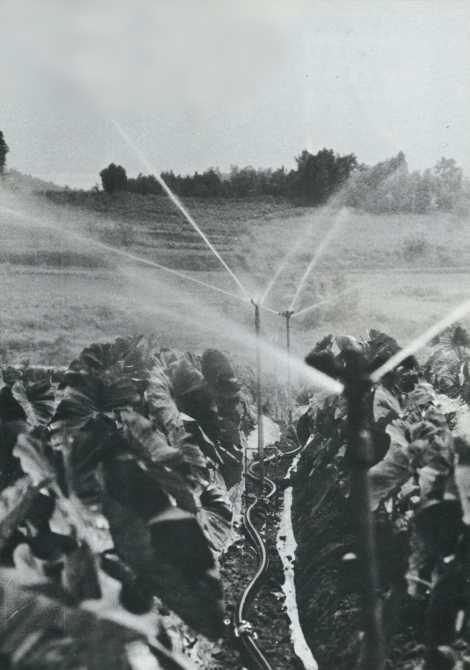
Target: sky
(201,83)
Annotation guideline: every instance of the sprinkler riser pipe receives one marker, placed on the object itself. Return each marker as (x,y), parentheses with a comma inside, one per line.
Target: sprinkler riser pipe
(259,392)
(287,315)
(360,455)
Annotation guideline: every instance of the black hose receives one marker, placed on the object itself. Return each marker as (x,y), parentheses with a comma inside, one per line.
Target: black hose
(243,629)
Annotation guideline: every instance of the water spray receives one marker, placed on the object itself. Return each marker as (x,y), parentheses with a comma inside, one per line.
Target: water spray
(211,247)
(422,340)
(316,257)
(360,454)
(289,313)
(179,205)
(326,301)
(119,252)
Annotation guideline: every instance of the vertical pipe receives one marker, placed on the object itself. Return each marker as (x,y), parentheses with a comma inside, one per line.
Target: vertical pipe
(289,388)
(287,315)
(360,456)
(245,476)
(259,399)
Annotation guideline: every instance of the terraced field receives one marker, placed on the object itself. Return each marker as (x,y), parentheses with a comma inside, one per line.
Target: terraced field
(404,271)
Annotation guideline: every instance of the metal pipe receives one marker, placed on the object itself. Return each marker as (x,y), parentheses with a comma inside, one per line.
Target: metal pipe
(287,315)
(360,457)
(259,399)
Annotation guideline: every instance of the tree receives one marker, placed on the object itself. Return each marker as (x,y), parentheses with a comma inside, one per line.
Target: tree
(114,178)
(4,149)
(448,183)
(319,175)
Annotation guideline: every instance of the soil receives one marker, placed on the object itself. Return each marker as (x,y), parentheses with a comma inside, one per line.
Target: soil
(267,613)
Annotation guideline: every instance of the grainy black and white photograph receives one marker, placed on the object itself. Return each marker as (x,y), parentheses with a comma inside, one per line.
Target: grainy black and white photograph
(235,335)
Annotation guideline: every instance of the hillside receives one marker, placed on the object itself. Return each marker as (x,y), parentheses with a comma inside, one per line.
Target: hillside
(152,225)
(69,288)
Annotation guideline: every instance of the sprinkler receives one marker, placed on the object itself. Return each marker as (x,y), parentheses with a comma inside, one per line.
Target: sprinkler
(288,315)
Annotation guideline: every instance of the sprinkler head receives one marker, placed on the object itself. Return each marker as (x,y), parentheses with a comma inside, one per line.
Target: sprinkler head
(287,313)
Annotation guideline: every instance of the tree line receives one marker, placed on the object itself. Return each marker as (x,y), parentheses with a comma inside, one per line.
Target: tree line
(315,178)
(388,186)
(4,149)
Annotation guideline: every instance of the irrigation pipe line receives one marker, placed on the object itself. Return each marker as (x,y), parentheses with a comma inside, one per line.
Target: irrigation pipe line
(243,629)
(120,252)
(178,204)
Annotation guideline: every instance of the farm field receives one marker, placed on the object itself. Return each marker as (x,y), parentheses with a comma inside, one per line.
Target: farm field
(60,292)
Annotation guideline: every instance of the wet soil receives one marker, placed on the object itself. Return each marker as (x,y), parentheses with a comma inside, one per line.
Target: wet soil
(267,612)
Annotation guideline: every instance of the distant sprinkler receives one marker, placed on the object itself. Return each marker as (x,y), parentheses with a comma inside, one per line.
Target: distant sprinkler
(288,315)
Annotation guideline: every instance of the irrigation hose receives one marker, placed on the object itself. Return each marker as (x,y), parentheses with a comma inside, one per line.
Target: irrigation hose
(243,629)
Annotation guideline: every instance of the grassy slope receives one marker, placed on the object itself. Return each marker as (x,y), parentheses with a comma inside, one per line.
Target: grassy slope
(59,294)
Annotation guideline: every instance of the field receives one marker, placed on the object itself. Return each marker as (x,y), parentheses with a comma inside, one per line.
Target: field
(60,292)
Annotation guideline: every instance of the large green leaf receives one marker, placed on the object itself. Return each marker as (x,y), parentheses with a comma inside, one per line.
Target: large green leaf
(219,374)
(36,461)
(196,435)
(186,577)
(37,400)
(462,480)
(149,443)
(172,556)
(161,404)
(442,369)
(125,356)
(80,574)
(386,406)
(71,516)
(15,503)
(146,488)
(10,408)
(39,633)
(389,474)
(215,515)
(91,397)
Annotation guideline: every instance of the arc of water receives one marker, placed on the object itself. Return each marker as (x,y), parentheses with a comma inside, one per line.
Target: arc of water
(120,252)
(179,205)
(284,263)
(326,301)
(317,255)
(422,340)
(240,335)
(268,309)
(317,378)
